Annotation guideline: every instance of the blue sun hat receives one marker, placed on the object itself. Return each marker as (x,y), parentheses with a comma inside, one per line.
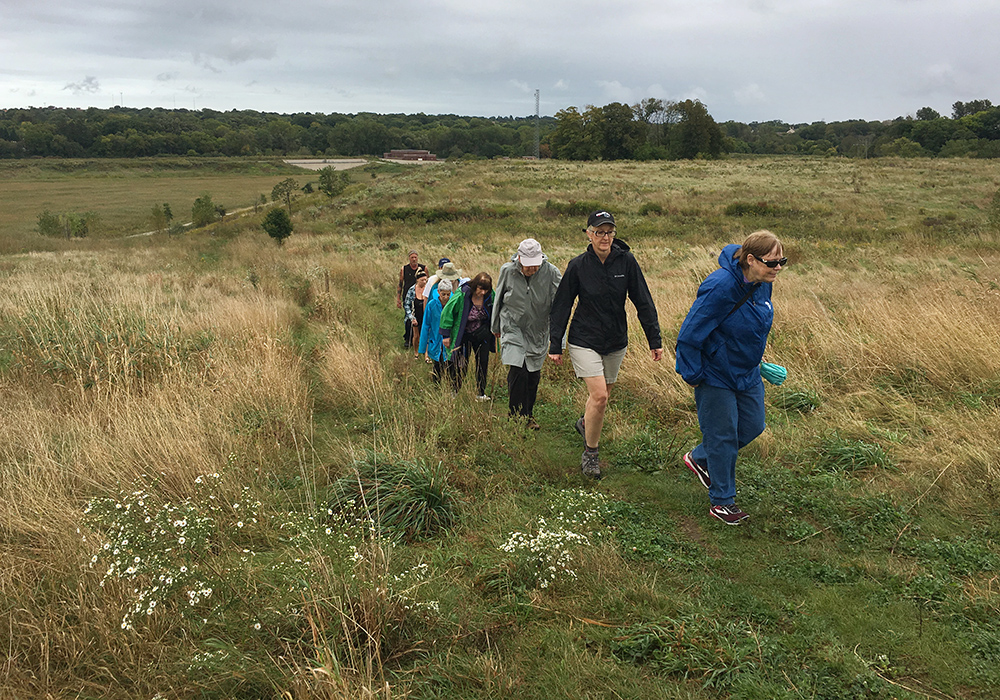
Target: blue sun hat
(775,374)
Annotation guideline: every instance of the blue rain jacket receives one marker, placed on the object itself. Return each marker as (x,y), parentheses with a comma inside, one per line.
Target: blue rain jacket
(720,350)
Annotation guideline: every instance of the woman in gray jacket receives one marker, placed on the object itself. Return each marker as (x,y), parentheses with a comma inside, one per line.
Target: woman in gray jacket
(524,292)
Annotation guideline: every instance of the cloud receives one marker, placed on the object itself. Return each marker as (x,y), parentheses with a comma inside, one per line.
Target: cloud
(520,85)
(616,92)
(241,49)
(749,94)
(88,85)
(167,77)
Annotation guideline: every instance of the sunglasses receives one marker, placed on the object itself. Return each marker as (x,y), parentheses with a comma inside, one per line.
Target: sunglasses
(774,263)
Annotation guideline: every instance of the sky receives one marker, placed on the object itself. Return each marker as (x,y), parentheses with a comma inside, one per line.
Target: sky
(797,61)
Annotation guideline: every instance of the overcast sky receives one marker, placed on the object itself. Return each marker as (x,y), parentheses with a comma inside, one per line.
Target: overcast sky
(748,60)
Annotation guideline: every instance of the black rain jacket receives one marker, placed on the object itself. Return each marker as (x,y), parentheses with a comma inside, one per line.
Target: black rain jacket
(599,322)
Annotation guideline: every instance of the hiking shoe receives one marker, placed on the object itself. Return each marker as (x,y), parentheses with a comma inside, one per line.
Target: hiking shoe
(699,471)
(484,397)
(533,424)
(581,428)
(589,464)
(730,515)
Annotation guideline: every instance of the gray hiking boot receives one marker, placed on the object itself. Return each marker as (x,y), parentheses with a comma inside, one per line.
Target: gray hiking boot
(581,428)
(589,464)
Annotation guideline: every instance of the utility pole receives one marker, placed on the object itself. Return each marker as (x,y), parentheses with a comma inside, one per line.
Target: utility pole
(538,133)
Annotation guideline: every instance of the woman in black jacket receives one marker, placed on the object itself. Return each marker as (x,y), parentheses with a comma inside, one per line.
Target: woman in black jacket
(602,277)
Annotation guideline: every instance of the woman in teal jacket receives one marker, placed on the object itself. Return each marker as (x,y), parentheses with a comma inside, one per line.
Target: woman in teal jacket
(719,349)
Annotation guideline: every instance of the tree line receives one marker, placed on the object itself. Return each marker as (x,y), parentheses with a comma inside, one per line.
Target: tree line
(649,129)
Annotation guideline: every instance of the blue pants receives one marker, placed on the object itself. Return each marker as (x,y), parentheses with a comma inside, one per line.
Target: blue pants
(729,420)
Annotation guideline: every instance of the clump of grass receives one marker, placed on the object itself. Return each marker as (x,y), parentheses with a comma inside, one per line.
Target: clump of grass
(651,209)
(800,400)
(760,208)
(553,208)
(409,500)
(840,454)
(433,215)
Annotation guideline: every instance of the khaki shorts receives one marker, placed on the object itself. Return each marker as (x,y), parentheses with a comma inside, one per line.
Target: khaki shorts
(588,363)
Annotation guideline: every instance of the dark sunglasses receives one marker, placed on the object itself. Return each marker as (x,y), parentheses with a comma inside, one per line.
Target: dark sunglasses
(774,263)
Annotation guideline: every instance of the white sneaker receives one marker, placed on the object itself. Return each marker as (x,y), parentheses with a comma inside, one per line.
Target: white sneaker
(484,397)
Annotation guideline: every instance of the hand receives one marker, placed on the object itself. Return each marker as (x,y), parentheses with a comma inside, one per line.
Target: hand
(497,336)
(399,304)
(657,354)
(446,342)
(556,358)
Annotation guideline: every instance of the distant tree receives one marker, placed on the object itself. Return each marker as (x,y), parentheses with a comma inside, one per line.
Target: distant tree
(204,211)
(158,218)
(307,188)
(962,109)
(332,182)
(620,134)
(278,225)
(49,224)
(167,212)
(68,225)
(285,191)
(697,134)
(903,148)
(927,114)
(259,202)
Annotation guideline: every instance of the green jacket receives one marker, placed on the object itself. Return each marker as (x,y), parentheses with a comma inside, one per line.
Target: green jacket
(456,314)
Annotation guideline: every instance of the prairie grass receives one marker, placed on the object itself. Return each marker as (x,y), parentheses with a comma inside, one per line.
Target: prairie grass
(138,369)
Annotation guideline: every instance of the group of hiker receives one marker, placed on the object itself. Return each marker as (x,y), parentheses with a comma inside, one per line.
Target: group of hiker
(455,321)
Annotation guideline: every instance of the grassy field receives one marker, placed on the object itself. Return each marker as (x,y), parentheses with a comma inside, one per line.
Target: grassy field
(123,193)
(221,477)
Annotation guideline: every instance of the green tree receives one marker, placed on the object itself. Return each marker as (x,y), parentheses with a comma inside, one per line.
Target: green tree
(962,109)
(332,182)
(926,114)
(697,134)
(621,135)
(204,211)
(285,191)
(70,224)
(158,218)
(278,225)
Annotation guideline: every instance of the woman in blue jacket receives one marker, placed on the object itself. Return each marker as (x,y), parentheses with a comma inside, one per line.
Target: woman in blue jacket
(719,349)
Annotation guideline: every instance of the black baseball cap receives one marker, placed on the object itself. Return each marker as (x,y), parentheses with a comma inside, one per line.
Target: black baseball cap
(600,217)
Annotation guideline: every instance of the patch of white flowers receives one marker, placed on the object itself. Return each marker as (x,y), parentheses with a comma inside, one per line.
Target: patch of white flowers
(547,548)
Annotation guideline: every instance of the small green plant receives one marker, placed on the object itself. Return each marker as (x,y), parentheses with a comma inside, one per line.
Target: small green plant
(651,208)
(409,500)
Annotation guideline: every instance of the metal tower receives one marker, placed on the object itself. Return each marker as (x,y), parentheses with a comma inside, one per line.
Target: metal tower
(538,133)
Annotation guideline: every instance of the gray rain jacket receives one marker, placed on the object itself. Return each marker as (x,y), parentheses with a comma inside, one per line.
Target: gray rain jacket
(521,313)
